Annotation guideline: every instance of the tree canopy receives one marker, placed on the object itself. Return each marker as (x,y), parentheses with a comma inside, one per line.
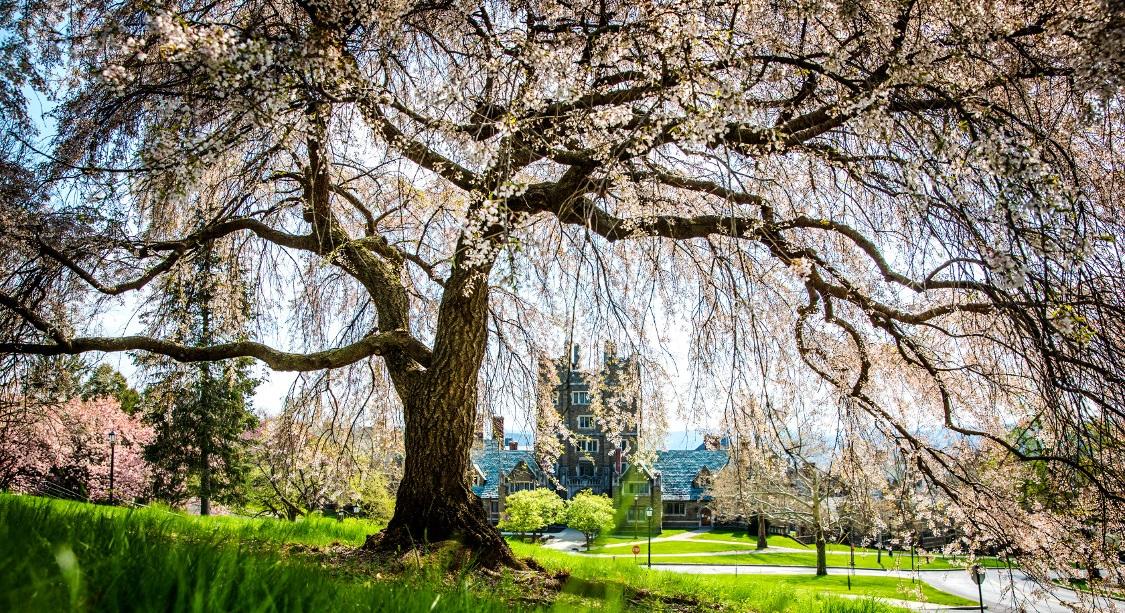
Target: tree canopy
(910,206)
(531,511)
(591,514)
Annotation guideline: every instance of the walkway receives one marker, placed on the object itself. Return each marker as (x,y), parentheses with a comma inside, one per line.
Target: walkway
(567,540)
(997,588)
(1003,592)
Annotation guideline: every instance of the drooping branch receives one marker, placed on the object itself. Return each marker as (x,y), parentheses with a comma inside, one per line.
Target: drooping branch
(177,250)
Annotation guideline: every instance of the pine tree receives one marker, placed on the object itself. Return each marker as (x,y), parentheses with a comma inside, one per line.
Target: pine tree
(201,411)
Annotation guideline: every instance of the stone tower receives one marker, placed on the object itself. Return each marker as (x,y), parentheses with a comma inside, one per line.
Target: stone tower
(599,411)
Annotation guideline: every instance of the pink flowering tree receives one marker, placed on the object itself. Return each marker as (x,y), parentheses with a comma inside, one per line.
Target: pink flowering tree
(63,450)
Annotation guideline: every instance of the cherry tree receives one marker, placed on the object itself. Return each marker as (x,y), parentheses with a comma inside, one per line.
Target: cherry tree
(313,455)
(63,450)
(914,192)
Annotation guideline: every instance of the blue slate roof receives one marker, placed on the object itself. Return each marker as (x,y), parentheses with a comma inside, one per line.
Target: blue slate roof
(679,468)
(493,462)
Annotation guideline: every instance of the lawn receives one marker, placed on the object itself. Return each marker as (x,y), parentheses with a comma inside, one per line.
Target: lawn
(69,556)
(835,559)
(629,537)
(678,546)
(760,592)
(774,540)
(878,587)
(64,556)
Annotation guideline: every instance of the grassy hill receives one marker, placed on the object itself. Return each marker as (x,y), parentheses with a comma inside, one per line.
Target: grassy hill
(68,556)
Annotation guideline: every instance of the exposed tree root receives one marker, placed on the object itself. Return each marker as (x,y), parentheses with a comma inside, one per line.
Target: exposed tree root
(477,543)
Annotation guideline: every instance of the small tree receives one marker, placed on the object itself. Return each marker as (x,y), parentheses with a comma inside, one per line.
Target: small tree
(591,514)
(531,511)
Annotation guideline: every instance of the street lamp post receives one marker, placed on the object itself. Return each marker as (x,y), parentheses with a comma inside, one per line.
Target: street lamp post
(977,573)
(112,438)
(648,514)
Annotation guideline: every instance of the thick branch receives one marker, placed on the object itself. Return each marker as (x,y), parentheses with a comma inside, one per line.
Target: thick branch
(384,343)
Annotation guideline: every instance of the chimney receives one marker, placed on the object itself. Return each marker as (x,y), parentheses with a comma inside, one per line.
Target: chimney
(498,430)
(712,442)
(478,431)
(575,356)
(513,445)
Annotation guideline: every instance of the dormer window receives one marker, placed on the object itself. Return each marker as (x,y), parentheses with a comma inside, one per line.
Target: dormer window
(582,397)
(704,478)
(585,422)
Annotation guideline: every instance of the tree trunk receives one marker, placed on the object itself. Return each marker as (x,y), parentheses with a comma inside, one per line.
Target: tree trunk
(763,541)
(821,552)
(435,502)
(204,482)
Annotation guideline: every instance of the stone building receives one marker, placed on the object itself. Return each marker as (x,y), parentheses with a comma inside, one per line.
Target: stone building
(675,485)
(600,409)
(499,468)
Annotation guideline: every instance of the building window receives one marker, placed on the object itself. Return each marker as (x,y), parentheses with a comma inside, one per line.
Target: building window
(585,469)
(637,488)
(585,422)
(588,445)
(674,508)
(580,398)
(636,514)
(494,507)
(519,486)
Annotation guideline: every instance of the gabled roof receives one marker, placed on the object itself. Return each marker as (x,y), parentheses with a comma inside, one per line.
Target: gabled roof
(494,462)
(679,468)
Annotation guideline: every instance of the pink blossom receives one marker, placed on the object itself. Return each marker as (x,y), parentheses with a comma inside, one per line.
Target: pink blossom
(41,443)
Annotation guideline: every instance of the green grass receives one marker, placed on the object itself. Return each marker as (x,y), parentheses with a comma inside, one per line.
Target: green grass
(837,559)
(877,587)
(774,540)
(670,547)
(629,537)
(767,593)
(65,556)
(68,556)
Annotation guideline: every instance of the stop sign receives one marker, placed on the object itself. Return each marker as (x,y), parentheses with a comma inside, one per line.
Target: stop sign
(636,549)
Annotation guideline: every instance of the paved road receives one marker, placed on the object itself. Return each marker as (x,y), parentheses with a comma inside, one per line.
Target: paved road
(1002,592)
(566,540)
(997,589)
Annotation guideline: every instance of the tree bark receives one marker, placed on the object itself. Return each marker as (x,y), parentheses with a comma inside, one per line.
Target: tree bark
(435,502)
(821,552)
(763,542)
(204,480)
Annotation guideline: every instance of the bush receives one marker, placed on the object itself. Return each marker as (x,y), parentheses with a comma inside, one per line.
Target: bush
(591,514)
(531,511)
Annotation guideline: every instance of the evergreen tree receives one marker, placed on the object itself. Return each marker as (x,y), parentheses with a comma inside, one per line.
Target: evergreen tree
(106,382)
(201,411)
